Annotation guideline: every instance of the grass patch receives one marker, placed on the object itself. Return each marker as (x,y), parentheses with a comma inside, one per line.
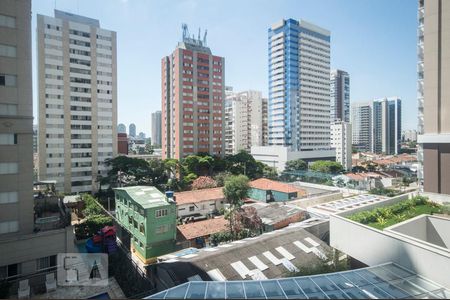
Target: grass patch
(383,217)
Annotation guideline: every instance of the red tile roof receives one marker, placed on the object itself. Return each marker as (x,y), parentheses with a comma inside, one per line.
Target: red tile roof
(203,228)
(199,196)
(267,184)
(362,176)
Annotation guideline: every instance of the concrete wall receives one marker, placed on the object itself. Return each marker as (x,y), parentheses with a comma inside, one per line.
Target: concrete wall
(203,208)
(372,247)
(27,248)
(431,229)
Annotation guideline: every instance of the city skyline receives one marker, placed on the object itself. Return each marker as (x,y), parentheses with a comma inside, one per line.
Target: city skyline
(364,59)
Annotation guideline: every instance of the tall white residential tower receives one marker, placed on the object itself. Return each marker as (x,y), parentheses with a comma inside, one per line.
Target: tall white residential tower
(77,77)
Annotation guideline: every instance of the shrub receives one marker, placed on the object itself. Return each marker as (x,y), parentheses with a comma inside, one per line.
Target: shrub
(91,206)
(91,226)
(401,211)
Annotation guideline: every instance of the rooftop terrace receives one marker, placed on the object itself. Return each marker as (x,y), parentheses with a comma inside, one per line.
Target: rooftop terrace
(145,196)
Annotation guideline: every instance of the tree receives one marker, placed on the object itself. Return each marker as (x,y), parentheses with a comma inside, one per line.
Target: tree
(236,189)
(221,177)
(244,163)
(296,165)
(203,182)
(250,220)
(148,148)
(268,172)
(326,166)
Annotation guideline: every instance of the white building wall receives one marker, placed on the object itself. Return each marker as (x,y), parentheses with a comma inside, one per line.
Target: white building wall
(341,141)
(243,121)
(203,208)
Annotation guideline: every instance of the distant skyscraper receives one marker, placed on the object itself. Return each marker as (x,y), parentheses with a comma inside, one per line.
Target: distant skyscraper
(243,121)
(193,91)
(77,76)
(434,99)
(341,140)
(156,128)
(141,135)
(121,128)
(299,86)
(386,125)
(361,115)
(340,96)
(132,130)
(409,136)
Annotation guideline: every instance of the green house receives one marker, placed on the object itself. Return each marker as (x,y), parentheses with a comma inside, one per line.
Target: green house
(150,217)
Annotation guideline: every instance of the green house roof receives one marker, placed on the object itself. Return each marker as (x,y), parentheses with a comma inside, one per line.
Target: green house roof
(145,196)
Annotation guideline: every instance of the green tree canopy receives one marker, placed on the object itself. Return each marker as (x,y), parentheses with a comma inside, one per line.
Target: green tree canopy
(326,166)
(236,190)
(295,165)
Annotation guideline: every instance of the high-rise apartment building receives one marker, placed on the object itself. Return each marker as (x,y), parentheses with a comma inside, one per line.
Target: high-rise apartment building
(265,122)
(16,116)
(340,96)
(387,125)
(377,125)
(156,128)
(121,128)
(299,86)
(434,100)
(341,140)
(26,247)
(193,92)
(77,77)
(132,130)
(243,121)
(361,115)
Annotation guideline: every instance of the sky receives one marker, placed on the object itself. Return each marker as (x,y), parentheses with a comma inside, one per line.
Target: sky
(373,40)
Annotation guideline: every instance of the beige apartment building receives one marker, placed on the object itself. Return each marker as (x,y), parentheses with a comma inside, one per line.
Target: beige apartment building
(244,120)
(77,78)
(23,249)
(434,95)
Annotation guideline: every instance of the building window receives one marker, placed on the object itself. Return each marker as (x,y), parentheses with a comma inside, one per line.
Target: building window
(142,228)
(141,245)
(8,51)
(135,224)
(8,139)
(8,80)
(8,109)
(161,213)
(9,226)
(7,21)
(9,168)
(45,262)
(8,197)
(191,208)
(10,271)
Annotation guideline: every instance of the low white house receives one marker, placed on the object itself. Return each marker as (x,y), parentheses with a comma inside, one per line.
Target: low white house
(201,202)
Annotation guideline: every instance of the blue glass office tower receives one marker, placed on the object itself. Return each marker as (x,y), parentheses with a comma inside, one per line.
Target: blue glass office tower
(299,86)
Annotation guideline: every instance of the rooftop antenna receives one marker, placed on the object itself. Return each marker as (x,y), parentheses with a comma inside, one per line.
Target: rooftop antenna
(199,33)
(204,37)
(185,31)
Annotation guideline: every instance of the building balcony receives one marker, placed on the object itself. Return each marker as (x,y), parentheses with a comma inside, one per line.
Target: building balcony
(49,210)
